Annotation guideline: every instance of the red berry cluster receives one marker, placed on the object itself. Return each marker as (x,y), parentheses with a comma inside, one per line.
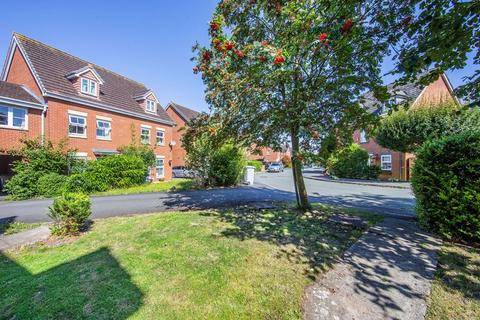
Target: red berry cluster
(346,26)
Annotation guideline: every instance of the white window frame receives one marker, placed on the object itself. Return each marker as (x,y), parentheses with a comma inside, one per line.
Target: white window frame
(363,136)
(151,103)
(143,127)
(77,115)
(370,159)
(106,137)
(386,159)
(9,124)
(162,166)
(89,86)
(163,137)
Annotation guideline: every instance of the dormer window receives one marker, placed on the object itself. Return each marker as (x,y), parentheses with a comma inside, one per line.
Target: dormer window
(150,106)
(89,86)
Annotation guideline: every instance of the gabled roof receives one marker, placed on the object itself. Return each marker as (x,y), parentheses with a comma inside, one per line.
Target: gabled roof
(51,66)
(409,92)
(185,113)
(79,72)
(18,95)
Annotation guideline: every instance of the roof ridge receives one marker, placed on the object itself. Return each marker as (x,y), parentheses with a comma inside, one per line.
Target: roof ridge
(22,36)
(182,106)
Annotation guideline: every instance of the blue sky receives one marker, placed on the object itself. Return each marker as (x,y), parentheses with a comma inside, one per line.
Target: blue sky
(148,41)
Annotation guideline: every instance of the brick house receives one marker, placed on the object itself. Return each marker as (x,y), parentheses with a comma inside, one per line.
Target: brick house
(59,96)
(398,165)
(267,155)
(180,115)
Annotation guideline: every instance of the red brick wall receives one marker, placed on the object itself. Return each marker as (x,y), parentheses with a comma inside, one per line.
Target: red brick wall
(20,73)
(57,129)
(178,152)
(267,154)
(398,158)
(10,138)
(435,93)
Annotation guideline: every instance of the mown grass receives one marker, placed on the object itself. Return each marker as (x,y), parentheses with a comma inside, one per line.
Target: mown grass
(229,264)
(164,186)
(7,228)
(456,288)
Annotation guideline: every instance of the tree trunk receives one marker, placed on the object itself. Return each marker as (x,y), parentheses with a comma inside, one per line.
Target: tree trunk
(300,190)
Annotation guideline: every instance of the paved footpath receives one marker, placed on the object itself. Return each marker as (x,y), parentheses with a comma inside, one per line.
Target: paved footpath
(387,274)
(24,238)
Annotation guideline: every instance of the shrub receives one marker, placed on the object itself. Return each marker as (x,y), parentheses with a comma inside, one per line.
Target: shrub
(69,213)
(226,165)
(446,183)
(352,162)
(36,160)
(255,163)
(405,130)
(287,161)
(119,171)
(142,151)
(51,184)
(84,183)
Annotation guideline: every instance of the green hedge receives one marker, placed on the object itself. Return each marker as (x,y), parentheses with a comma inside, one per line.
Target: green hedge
(446,183)
(255,163)
(352,162)
(226,165)
(51,184)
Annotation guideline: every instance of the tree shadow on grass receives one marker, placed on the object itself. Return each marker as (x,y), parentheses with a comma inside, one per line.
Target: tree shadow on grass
(92,286)
(303,239)
(459,270)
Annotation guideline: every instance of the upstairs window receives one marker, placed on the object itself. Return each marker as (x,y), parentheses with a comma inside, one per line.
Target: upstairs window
(11,117)
(145,135)
(88,86)
(104,129)
(160,137)
(150,106)
(363,136)
(77,125)
(386,162)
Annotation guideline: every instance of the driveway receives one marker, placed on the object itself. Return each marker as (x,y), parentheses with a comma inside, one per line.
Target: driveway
(271,187)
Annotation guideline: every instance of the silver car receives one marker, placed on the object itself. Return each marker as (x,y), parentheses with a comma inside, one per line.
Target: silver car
(181,172)
(275,167)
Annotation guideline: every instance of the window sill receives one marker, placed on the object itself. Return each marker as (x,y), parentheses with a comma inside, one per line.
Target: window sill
(160,145)
(13,128)
(77,136)
(104,139)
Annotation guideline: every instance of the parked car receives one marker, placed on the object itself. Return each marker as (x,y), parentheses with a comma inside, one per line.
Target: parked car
(275,167)
(181,172)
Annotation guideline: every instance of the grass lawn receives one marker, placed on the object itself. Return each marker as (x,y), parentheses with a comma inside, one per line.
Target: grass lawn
(240,264)
(456,288)
(179,184)
(7,228)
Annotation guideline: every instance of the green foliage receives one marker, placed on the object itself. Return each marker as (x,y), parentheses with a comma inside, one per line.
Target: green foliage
(255,163)
(118,171)
(51,184)
(36,161)
(69,213)
(405,130)
(352,162)
(226,165)
(446,183)
(84,183)
(142,151)
(440,35)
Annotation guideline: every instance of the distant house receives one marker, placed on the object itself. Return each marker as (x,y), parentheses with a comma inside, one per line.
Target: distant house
(181,116)
(397,165)
(267,154)
(47,92)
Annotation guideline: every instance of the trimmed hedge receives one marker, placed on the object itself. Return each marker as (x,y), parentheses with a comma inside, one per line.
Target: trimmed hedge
(352,162)
(446,183)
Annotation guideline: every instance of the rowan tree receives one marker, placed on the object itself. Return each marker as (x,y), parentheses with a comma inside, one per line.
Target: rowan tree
(292,72)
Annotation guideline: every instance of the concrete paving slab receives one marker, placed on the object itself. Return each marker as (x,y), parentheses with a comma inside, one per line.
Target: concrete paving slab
(23,238)
(386,274)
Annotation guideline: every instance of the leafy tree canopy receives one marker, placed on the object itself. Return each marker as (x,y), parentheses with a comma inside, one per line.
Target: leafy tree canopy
(405,130)
(280,71)
(440,35)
